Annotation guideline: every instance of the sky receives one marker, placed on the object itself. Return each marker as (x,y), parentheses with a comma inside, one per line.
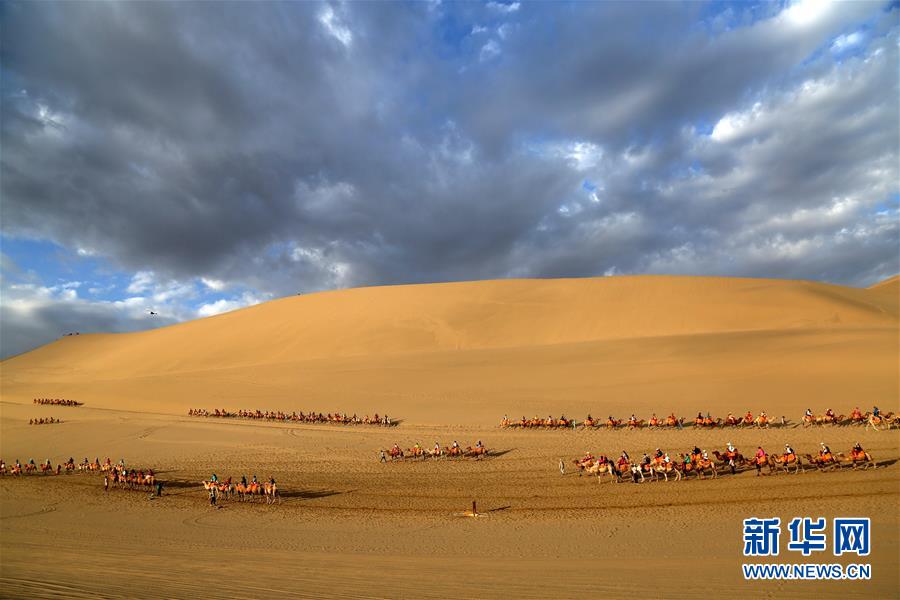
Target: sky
(190,158)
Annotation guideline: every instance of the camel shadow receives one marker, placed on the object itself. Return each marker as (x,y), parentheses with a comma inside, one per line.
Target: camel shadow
(501,508)
(887,463)
(499,453)
(309,494)
(180,484)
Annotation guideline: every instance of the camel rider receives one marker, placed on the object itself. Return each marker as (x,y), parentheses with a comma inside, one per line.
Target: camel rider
(705,455)
(645,460)
(31,462)
(856,414)
(858,448)
(455,445)
(659,453)
(271,481)
(243,480)
(825,452)
(666,458)
(731,448)
(695,451)
(479,445)
(788,451)
(437,448)
(760,453)
(624,457)
(214,478)
(876,412)
(809,413)
(255,480)
(829,413)
(748,416)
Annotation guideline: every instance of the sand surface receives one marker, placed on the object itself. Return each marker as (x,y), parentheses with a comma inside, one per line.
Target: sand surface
(450,360)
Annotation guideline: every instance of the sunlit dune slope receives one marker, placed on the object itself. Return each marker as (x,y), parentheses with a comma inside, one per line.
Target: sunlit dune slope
(513,344)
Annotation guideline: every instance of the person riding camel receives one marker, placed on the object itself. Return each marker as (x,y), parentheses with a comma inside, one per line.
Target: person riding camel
(858,450)
(825,452)
(856,415)
(731,448)
(829,413)
(624,457)
(479,445)
(749,416)
(659,453)
(788,453)
(760,459)
(666,458)
(876,412)
(645,460)
(809,413)
(455,445)
(695,451)
(437,448)
(255,480)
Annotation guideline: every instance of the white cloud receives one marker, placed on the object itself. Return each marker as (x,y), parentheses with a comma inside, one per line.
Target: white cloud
(489,50)
(846,41)
(214,284)
(140,282)
(334,27)
(504,8)
(227,305)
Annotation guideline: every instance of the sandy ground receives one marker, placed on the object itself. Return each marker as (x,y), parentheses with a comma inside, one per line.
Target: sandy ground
(449,361)
(349,526)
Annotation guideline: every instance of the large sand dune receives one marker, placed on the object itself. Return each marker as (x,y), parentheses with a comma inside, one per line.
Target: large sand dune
(470,352)
(450,360)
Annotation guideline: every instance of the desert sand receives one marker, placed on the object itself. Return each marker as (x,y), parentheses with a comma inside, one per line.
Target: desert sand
(449,360)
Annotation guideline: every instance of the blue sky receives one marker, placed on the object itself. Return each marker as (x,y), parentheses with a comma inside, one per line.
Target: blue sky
(190,159)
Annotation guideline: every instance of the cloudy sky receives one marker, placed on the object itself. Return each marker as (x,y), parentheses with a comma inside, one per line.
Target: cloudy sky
(192,158)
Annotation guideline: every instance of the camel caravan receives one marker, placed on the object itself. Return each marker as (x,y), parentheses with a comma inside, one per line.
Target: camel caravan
(294,417)
(701,421)
(699,463)
(116,473)
(242,491)
(44,421)
(874,419)
(56,401)
(420,452)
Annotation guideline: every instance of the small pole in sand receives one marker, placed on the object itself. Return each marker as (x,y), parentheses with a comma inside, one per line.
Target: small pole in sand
(474,512)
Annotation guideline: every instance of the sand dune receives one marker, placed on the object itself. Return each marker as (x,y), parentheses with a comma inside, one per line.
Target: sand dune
(450,360)
(469,352)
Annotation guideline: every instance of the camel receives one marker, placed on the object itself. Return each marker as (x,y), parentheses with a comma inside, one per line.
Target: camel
(395,453)
(416,451)
(453,451)
(271,492)
(730,459)
(785,462)
(696,463)
(613,423)
(599,469)
(873,422)
(857,458)
(478,452)
(625,467)
(657,468)
(635,424)
(46,467)
(823,462)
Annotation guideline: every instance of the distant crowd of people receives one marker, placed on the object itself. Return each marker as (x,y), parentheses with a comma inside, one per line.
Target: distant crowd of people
(56,401)
(311,417)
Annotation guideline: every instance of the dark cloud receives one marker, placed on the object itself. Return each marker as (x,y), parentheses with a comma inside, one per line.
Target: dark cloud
(300,146)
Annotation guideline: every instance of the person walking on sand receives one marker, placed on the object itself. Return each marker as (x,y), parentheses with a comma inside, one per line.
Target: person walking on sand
(106,483)
(383,456)
(159,487)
